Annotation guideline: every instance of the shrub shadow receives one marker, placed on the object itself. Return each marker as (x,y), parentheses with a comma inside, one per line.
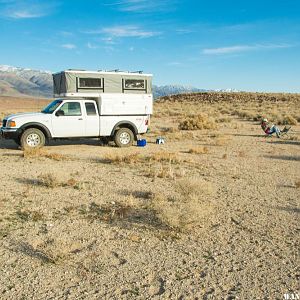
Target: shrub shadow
(28,250)
(289,209)
(283,157)
(284,142)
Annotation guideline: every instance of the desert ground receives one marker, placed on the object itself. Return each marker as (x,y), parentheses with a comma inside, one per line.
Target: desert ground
(211,214)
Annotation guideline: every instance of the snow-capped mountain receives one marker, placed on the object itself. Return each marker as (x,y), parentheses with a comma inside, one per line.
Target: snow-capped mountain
(159,91)
(16,81)
(25,82)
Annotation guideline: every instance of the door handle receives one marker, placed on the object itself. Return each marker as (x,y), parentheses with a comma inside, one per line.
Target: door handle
(80,119)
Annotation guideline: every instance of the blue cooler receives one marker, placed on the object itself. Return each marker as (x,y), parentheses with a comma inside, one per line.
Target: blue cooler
(141,143)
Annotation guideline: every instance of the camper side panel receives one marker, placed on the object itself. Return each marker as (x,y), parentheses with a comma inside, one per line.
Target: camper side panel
(123,104)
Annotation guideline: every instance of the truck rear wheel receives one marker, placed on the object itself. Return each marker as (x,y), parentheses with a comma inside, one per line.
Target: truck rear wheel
(123,137)
(32,138)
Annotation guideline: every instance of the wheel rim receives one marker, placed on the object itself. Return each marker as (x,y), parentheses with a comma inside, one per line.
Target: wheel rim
(125,138)
(33,140)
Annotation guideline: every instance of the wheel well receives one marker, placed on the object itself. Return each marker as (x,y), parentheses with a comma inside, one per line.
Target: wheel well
(126,125)
(44,130)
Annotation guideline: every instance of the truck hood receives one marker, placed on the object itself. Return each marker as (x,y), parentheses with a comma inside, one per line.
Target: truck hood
(26,115)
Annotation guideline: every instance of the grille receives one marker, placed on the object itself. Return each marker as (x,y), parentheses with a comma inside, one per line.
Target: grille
(4,123)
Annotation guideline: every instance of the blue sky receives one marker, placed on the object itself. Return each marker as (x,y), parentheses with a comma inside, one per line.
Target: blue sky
(246,45)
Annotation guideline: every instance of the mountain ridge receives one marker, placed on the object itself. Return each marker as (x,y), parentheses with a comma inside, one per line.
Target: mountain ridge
(25,82)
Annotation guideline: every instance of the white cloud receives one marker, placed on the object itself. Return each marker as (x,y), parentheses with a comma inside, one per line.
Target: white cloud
(141,6)
(91,46)
(108,40)
(69,46)
(123,32)
(16,9)
(174,64)
(242,48)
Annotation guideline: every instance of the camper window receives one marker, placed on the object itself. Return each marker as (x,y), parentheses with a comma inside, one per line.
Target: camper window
(90,83)
(134,84)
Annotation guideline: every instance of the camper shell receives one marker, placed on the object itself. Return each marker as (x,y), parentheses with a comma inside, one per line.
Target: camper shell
(73,82)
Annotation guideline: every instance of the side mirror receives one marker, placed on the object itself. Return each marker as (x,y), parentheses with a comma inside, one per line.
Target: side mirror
(60,113)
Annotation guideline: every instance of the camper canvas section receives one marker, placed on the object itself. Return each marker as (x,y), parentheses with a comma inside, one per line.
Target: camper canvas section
(72,82)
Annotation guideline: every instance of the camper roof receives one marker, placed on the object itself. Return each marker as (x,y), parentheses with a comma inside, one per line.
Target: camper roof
(114,72)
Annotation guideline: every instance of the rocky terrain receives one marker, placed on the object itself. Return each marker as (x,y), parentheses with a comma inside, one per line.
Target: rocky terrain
(211,214)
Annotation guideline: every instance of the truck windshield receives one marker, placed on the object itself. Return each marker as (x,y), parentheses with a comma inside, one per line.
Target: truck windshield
(50,108)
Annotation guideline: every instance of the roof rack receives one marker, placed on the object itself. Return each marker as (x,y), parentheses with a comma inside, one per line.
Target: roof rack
(115,70)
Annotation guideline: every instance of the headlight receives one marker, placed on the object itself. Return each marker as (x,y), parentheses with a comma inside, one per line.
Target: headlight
(11,123)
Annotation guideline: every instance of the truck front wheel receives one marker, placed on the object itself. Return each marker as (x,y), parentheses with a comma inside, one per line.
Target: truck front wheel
(123,137)
(32,138)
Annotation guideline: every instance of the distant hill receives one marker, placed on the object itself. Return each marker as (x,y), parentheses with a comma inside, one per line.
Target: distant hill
(26,82)
(165,90)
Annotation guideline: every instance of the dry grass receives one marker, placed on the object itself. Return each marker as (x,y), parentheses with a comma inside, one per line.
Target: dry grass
(242,154)
(164,156)
(38,153)
(199,150)
(48,180)
(297,184)
(221,140)
(190,206)
(122,159)
(197,122)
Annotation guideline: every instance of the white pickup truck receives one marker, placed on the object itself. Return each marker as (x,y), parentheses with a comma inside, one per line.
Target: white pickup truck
(88,113)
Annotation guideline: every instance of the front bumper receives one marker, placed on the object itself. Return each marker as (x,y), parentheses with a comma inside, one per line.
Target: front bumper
(9,133)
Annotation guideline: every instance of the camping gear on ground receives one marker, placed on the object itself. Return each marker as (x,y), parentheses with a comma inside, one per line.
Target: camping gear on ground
(141,143)
(160,141)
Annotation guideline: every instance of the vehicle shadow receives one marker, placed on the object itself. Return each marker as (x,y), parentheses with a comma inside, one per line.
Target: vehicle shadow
(8,144)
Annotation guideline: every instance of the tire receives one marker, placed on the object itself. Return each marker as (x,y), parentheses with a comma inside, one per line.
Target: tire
(32,138)
(124,137)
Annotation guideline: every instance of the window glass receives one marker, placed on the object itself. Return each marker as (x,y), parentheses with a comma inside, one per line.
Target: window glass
(134,84)
(90,108)
(71,109)
(90,82)
(51,107)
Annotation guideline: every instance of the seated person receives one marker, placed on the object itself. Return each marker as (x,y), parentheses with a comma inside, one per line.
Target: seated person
(269,129)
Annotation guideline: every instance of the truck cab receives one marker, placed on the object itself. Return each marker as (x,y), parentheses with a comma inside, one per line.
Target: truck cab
(117,116)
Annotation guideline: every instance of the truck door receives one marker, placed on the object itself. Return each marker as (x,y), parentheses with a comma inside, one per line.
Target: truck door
(92,119)
(68,120)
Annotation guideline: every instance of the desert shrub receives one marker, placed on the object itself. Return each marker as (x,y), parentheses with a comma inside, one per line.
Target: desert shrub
(224,120)
(297,184)
(199,150)
(197,122)
(37,153)
(77,185)
(164,156)
(26,215)
(288,120)
(188,208)
(48,180)
(122,159)
(221,140)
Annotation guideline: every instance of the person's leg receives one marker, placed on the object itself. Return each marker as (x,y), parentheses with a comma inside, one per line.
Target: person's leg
(277,130)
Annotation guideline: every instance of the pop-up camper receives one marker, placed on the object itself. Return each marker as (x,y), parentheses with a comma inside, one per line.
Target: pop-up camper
(115,105)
